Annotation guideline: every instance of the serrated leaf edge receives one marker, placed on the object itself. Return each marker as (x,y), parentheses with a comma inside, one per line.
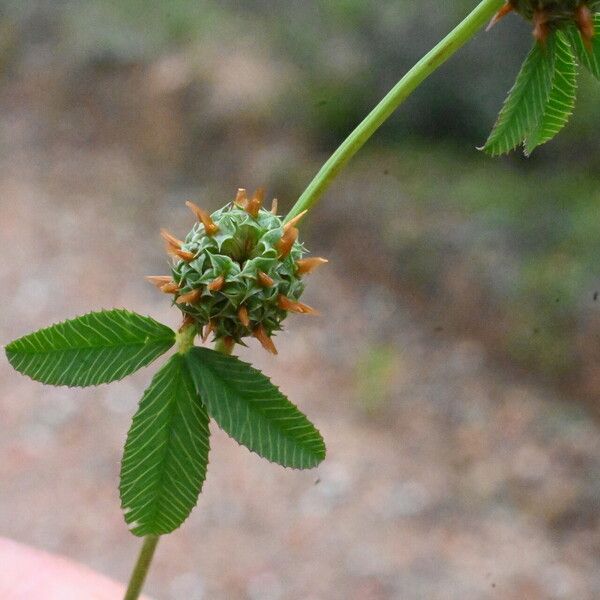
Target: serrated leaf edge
(290,467)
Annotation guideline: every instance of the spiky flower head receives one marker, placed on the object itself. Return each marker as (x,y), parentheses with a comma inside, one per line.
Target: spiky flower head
(239,271)
(546,14)
(556,7)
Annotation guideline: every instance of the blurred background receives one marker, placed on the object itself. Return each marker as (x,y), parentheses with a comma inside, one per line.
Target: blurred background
(454,372)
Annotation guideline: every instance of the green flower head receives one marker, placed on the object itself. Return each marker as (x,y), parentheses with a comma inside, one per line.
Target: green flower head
(239,271)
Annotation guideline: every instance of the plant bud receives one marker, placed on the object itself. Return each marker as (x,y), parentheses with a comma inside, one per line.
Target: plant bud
(238,273)
(548,14)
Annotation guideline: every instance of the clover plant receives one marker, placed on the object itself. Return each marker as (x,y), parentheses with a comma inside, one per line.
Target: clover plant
(241,270)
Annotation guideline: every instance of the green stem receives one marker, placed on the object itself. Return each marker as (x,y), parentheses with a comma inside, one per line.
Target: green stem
(185,338)
(185,341)
(136,582)
(221,346)
(435,58)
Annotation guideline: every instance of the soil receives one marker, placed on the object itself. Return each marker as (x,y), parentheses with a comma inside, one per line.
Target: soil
(446,477)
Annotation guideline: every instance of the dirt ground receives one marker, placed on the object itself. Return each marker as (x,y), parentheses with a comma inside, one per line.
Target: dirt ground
(449,479)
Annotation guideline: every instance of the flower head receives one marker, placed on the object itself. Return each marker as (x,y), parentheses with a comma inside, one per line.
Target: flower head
(239,271)
(546,14)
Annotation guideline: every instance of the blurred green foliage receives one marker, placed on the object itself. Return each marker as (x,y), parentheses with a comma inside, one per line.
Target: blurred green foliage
(529,237)
(375,371)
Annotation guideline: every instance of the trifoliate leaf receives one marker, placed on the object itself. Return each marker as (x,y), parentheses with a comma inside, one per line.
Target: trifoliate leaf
(166,453)
(525,103)
(253,411)
(562,95)
(96,348)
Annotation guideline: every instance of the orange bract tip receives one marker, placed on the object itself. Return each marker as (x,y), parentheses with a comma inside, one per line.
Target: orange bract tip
(254,204)
(187,320)
(159,280)
(266,342)
(505,10)
(170,239)
(274,206)
(208,329)
(229,343)
(216,284)
(585,22)
(284,245)
(169,288)
(241,198)
(541,29)
(243,316)
(259,195)
(308,265)
(173,246)
(264,279)
(189,298)
(204,218)
(252,208)
(292,222)
(298,307)
(183,254)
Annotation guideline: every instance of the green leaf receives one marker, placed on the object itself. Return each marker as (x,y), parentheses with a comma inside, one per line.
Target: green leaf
(96,348)
(525,103)
(166,453)
(590,59)
(253,411)
(562,96)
